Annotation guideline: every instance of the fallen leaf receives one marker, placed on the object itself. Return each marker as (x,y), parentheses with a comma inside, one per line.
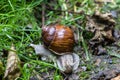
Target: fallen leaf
(108,35)
(12,68)
(116,78)
(105,18)
(102,26)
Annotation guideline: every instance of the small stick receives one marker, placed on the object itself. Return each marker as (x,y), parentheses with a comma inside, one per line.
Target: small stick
(43,14)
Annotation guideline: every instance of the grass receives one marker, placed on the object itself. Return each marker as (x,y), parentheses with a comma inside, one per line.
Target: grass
(14,19)
(28,68)
(19,26)
(17,17)
(13,23)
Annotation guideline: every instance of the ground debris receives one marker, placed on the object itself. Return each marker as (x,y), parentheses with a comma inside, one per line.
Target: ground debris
(73,77)
(12,68)
(106,74)
(99,50)
(105,18)
(116,78)
(36,77)
(102,26)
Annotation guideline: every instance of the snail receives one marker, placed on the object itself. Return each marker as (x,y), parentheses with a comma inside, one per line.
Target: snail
(58,38)
(68,63)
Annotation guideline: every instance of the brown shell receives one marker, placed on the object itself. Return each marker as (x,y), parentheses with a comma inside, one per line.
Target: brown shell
(58,38)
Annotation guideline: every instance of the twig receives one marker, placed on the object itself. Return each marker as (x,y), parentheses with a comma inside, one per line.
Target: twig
(43,14)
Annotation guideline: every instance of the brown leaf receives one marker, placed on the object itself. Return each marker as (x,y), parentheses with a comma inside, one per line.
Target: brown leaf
(105,18)
(12,68)
(100,21)
(103,37)
(102,26)
(98,35)
(90,25)
(108,35)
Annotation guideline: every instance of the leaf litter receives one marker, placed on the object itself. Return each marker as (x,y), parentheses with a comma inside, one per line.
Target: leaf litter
(12,71)
(105,42)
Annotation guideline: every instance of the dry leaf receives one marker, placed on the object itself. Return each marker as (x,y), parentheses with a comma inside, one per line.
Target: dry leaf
(106,18)
(12,68)
(116,78)
(102,25)
(108,35)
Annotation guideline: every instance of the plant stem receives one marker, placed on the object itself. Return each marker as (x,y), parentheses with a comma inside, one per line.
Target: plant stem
(85,48)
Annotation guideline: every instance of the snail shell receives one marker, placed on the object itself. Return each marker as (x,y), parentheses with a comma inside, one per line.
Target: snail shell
(58,38)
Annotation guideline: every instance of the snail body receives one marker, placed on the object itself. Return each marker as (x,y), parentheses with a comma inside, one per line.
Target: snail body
(58,38)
